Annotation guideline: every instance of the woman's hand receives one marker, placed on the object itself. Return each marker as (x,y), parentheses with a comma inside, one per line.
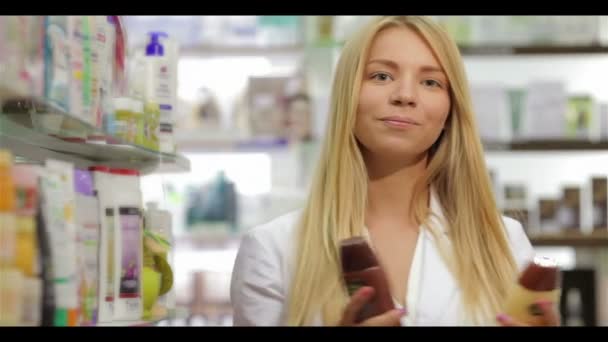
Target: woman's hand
(358,300)
(550,317)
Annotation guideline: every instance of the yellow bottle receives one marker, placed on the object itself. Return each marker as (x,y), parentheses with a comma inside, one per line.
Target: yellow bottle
(10,277)
(26,249)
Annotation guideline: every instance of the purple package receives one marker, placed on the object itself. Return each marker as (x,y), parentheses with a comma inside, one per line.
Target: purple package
(88,225)
(130,221)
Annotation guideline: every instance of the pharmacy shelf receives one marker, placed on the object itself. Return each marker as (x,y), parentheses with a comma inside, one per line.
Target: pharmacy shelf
(547,145)
(206,141)
(35,131)
(596,239)
(498,50)
(239,50)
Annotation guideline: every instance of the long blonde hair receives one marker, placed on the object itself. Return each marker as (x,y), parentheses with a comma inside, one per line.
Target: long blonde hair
(478,253)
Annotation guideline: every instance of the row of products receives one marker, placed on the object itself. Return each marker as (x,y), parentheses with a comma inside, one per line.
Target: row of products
(541,110)
(580,209)
(79,64)
(527,30)
(277,107)
(75,251)
(231,30)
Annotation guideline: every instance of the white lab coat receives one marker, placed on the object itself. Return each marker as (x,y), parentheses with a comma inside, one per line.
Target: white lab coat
(264,268)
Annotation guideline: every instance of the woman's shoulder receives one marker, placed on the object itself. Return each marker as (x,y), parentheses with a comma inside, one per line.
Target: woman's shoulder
(519,241)
(277,233)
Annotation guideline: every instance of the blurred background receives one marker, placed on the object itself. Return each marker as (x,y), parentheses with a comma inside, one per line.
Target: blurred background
(251,107)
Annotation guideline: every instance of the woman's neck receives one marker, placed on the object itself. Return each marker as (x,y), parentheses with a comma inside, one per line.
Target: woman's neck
(391,188)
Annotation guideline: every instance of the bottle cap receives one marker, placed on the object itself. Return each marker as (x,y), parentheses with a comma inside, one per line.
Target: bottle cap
(542,274)
(155,48)
(356,255)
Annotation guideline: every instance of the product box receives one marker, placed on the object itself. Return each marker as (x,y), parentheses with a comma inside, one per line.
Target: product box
(548,215)
(56,61)
(545,108)
(514,205)
(581,117)
(569,212)
(599,199)
(265,97)
(515,196)
(521,215)
(491,103)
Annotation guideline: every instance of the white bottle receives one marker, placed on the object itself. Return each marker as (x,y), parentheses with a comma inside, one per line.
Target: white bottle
(128,245)
(160,67)
(103,185)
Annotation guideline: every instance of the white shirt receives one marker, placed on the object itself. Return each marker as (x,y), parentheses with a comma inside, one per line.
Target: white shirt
(264,269)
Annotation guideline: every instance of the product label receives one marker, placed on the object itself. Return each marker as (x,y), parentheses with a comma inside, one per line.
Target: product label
(352,286)
(130,225)
(162,91)
(109,295)
(88,223)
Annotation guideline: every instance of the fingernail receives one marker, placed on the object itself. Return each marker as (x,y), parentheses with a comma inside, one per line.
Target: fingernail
(502,318)
(403,311)
(544,304)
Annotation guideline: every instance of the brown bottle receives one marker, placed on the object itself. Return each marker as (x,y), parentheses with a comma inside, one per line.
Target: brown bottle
(541,280)
(360,268)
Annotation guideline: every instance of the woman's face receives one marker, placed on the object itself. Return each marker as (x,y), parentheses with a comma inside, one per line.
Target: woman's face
(404,99)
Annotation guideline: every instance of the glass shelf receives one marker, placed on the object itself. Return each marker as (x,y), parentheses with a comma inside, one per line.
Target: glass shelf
(598,238)
(495,50)
(547,145)
(35,130)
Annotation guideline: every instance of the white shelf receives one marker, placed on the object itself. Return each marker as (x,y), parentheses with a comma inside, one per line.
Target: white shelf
(239,50)
(207,141)
(130,323)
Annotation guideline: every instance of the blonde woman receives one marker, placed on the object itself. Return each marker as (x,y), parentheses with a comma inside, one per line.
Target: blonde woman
(402,165)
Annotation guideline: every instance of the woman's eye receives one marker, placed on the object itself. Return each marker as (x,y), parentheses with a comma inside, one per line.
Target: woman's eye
(381,76)
(431,83)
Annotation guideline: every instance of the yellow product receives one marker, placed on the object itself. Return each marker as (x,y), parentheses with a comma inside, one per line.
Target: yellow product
(124,122)
(138,118)
(10,277)
(25,247)
(7,210)
(11,296)
(151,125)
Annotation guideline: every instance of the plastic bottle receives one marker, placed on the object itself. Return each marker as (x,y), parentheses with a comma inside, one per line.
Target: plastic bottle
(128,244)
(62,229)
(160,81)
(26,183)
(360,268)
(87,218)
(10,276)
(103,186)
(540,280)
